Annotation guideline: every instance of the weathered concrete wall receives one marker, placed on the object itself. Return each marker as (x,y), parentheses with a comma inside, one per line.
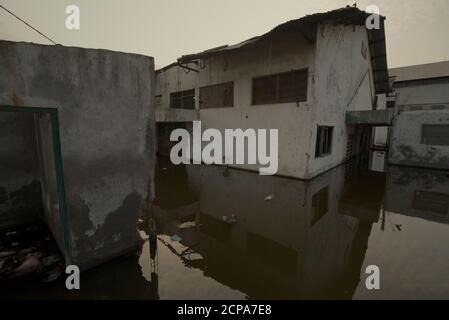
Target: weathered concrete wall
(20,192)
(406,142)
(342,82)
(106,117)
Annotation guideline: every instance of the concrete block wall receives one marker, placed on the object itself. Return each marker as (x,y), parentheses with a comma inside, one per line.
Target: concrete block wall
(104,103)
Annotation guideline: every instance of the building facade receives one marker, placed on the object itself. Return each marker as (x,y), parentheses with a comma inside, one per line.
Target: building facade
(420,135)
(301,78)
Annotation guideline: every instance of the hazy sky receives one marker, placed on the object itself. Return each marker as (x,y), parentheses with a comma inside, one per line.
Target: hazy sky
(417,30)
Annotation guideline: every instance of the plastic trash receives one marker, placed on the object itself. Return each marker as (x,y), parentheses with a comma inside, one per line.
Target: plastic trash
(186,225)
(29,266)
(175,238)
(269,197)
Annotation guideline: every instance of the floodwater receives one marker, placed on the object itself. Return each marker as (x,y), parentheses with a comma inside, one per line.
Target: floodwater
(221,233)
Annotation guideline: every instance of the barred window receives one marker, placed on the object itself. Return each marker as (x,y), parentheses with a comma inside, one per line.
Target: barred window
(217,96)
(183,99)
(280,88)
(323,141)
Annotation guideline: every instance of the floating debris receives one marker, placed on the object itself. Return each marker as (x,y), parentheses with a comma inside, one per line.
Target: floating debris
(269,197)
(31,265)
(187,225)
(52,275)
(175,238)
(29,252)
(50,260)
(6,253)
(230,220)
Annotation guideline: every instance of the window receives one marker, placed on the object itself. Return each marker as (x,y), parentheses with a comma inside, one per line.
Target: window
(320,204)
(435,134)
(183,99)
(280,88)
(323,141)
(217,96)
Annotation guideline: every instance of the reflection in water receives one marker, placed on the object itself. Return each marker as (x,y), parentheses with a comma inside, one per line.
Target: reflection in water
(412,242)
(220,233)
(287,239)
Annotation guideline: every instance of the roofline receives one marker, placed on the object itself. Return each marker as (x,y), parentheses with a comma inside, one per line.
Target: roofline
(308,25)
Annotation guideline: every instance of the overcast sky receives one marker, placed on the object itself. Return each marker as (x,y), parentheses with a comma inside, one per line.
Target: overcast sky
(417,31)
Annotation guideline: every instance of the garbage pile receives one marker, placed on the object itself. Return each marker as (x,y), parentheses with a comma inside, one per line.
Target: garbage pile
(29,253)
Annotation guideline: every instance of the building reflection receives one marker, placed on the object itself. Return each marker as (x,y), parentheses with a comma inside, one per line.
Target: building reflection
(270,237)
(424,193)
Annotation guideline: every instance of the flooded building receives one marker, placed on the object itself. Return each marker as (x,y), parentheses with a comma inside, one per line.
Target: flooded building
(420,135)
(76,145)
(301,78)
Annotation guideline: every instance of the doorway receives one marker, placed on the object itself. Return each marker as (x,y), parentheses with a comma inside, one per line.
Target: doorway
(31,151)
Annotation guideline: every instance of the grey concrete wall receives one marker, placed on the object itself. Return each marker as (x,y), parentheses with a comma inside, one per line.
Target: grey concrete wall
(20,193)
(406,146)
(106,118)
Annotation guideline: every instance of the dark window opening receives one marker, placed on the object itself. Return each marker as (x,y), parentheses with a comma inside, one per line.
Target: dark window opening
(217,96)
(435,134)
(323,141)
(183,99)
(280,88)
(320,204)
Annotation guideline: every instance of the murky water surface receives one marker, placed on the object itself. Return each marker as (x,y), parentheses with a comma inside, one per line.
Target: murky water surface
(230,234)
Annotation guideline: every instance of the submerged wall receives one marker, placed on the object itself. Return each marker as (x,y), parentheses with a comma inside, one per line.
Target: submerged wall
(105,108)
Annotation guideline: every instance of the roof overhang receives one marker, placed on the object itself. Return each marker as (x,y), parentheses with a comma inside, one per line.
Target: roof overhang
(308,26)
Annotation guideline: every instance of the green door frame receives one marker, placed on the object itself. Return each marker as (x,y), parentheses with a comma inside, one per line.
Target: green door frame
(58,165)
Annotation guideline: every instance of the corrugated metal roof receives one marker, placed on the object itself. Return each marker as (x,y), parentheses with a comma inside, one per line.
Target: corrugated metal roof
(307,25)
(421,71)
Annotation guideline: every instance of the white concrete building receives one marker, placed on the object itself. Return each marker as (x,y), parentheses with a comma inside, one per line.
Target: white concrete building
(420,136)
(302,78)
